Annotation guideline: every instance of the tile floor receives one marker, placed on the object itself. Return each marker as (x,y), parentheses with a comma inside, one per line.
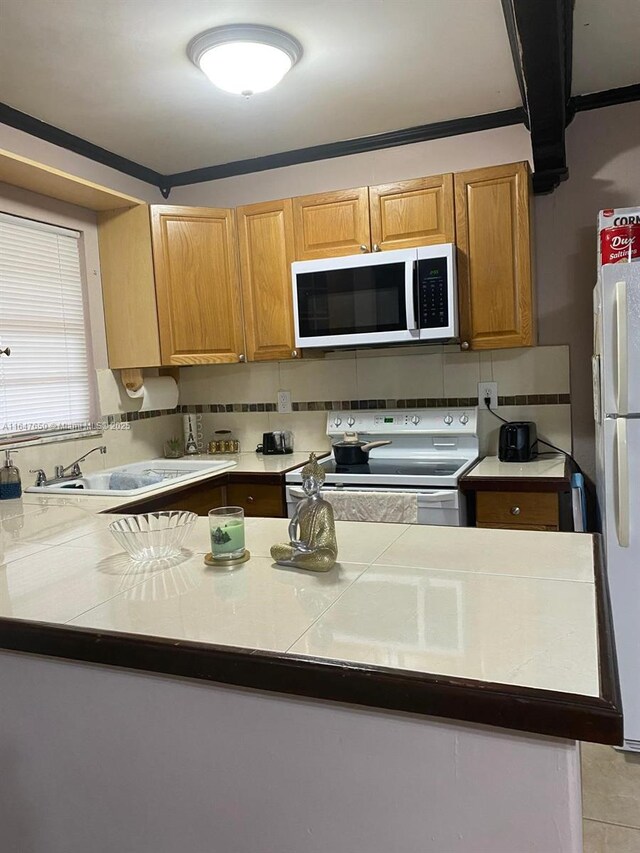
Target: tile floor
(610,800)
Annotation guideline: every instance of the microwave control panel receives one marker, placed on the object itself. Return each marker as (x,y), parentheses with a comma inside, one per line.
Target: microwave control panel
(433,303)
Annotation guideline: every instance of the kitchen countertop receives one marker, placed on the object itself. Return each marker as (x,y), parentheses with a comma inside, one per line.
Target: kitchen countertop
(497,615)
(545,467)
(257,463)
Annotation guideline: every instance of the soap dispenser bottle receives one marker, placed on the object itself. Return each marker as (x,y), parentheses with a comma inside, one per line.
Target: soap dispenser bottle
(10,484)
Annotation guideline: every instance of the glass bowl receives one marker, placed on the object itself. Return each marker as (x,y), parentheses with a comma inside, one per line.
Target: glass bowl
(152,535)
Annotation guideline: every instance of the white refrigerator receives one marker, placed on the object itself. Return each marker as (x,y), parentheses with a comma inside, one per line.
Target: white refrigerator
(616,372)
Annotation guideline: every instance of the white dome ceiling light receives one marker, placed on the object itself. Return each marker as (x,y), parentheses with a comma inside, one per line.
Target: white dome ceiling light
(244,58)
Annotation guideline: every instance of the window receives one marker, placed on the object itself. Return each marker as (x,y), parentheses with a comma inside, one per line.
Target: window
(46,384)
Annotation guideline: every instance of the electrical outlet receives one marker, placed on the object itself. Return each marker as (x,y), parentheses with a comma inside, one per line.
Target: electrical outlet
(487,389)
(284,402)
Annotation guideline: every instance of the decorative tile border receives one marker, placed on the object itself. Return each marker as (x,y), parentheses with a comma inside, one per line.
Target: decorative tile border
(123,417)
(341,405)
(413,403)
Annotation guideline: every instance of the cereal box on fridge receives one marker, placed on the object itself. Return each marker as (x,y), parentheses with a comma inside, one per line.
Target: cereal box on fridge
(618,235)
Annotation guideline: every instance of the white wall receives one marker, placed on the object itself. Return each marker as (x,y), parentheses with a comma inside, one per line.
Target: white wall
(454,154)
(101,759)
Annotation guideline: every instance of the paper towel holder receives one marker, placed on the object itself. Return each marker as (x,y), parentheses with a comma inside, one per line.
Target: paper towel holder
(132,378)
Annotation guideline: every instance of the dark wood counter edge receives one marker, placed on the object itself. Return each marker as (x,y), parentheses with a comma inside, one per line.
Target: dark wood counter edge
(523,709)
(608,661)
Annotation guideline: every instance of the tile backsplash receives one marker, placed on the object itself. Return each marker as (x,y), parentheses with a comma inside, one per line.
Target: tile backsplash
(533,384)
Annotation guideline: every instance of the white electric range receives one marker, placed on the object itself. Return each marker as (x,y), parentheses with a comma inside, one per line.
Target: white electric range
(430,450)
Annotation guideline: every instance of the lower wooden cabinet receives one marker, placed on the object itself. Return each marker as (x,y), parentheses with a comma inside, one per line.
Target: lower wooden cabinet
(518,510)
(518,502)
(257,495)
(257,499)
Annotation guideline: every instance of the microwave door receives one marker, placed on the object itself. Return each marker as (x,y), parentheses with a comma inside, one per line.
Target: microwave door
(355,300)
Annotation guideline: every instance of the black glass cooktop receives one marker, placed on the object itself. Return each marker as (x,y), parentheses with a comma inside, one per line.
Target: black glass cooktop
(404,467)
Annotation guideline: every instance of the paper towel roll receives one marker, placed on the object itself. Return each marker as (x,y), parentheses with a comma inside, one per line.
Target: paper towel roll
(157,392)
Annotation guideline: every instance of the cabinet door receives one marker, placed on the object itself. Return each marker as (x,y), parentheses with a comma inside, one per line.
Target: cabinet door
(128,288)
(494,257)
(535,510)
(330,224)
(257,499)
(199,303)
(412,213)
(265,232)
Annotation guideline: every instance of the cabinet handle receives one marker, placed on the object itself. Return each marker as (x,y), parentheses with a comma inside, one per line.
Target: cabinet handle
(376,248)
(294,353)
(5,351)
(515,510)
(242,357)
(250,499)
(464,345)
(364,248)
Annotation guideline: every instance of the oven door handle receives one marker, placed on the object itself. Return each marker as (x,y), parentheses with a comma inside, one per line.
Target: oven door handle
(427,497)
(437,496)
(411,300)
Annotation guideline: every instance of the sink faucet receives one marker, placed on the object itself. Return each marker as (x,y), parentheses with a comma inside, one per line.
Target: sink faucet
(61,471)
(74,467)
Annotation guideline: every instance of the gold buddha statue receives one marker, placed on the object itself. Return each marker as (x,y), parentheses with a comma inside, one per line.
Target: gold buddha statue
(312,530)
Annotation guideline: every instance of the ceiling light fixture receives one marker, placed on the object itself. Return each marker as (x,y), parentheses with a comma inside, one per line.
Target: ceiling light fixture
(244,58)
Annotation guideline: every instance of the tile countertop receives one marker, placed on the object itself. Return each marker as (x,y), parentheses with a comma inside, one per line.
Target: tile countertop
(499,607)
(257,463)
(546,467)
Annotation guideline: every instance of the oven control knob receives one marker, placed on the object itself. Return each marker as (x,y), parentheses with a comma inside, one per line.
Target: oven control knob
(350,422)
(464,419)
(448,420)
(337,422)
(415,420)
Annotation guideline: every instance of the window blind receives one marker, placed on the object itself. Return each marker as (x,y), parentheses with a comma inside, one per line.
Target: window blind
(46,383)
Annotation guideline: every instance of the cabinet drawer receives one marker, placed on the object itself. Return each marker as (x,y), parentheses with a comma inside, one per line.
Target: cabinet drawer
(518,509)
(257,499)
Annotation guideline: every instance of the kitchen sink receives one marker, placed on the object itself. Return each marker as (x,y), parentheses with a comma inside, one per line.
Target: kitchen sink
(137,478)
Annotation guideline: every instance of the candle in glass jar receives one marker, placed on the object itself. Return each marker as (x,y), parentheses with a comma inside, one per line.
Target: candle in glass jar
(226,527)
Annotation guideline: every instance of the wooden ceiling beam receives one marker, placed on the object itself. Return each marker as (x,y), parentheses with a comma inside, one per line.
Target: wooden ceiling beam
(541,36)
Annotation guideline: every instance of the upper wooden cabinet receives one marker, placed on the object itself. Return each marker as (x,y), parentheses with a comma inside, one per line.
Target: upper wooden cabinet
(266,240)
(390,216)
(495,284)
(412,213)
(128,288)
(199,306)
(330,224)
(170,286)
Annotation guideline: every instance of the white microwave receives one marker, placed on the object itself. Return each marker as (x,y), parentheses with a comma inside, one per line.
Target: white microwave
(401,296)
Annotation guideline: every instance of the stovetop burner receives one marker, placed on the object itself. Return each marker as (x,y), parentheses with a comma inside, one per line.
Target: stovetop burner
(403,467)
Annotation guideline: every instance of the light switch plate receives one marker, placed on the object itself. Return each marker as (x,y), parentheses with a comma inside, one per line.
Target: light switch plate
(284,402)
(487,389)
